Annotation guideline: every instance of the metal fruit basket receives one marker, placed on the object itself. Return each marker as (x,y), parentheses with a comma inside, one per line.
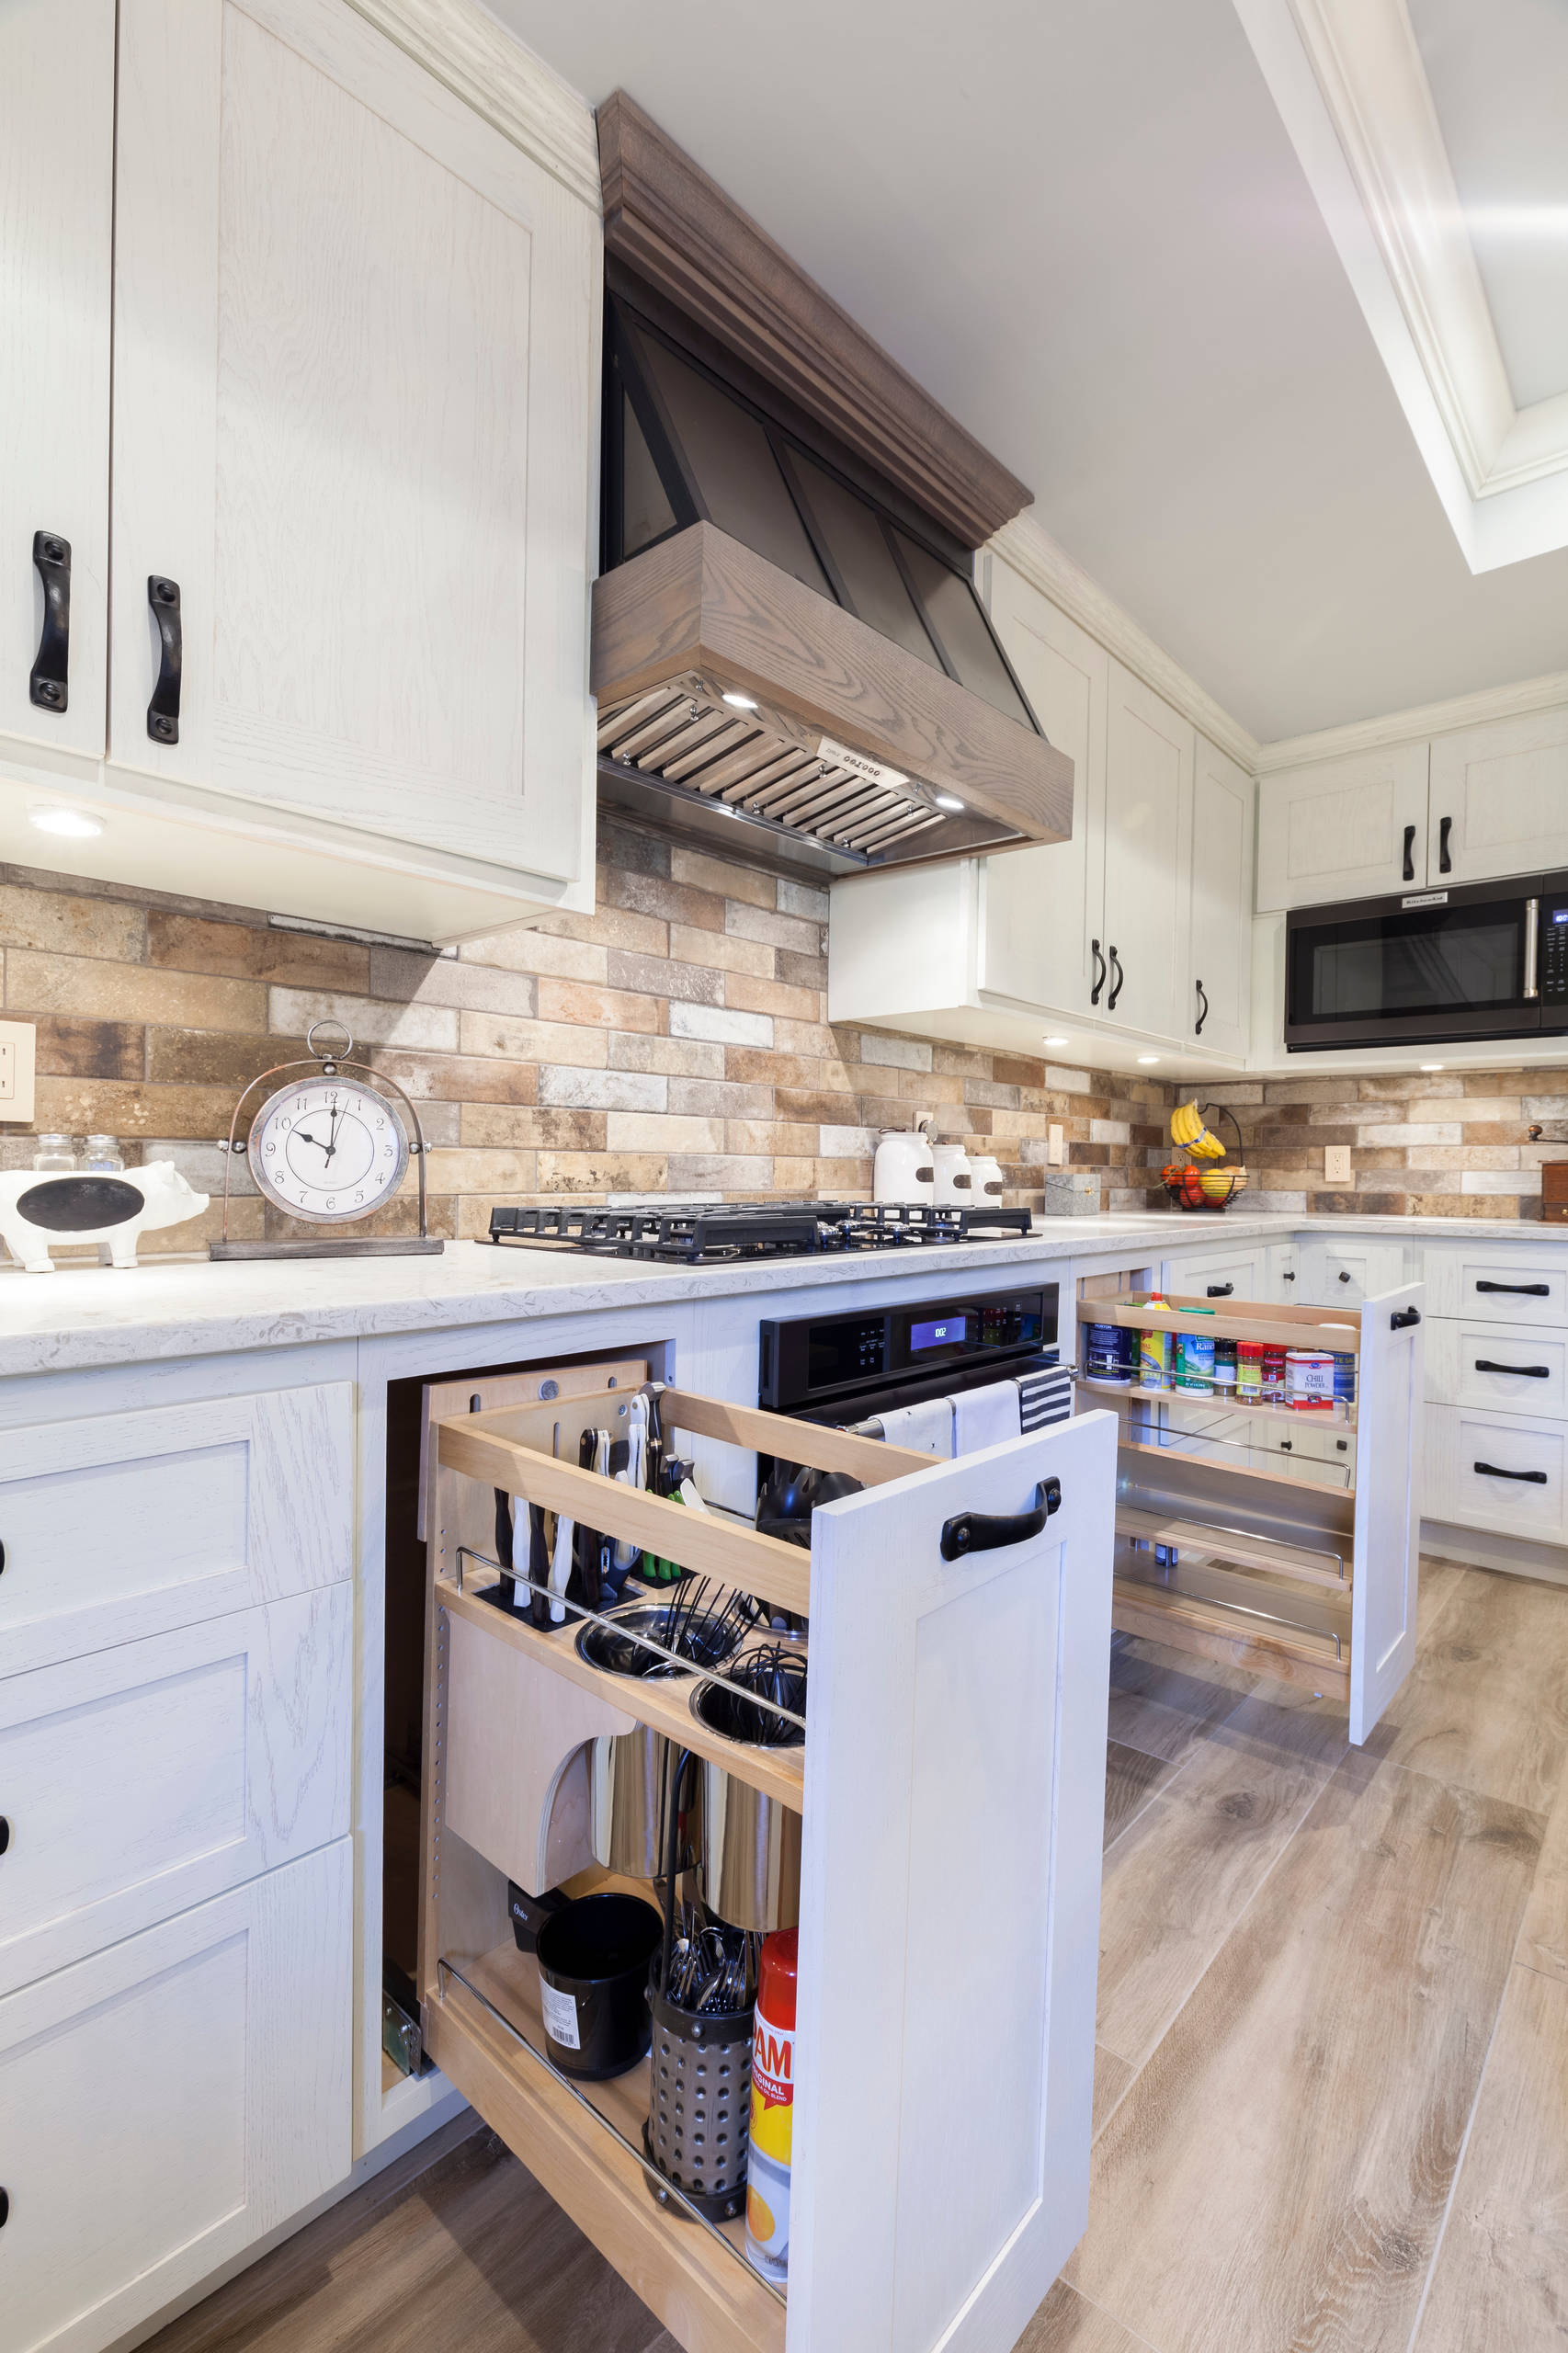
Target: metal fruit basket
(1217,1186)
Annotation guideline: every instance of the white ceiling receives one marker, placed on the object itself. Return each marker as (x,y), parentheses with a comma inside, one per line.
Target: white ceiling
(1085,229)
(1498,72)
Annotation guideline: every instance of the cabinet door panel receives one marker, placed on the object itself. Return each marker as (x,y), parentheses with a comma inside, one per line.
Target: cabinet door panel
(1489,1365)
(1343,1274)
(1190,1276)
(1504,789)
(147,1778)
(958,1714)
(171,2100)
(353,396)
(1389,1419)
(1148,849)
(1338,829)
(56,240)
(1042,905)
(1220,973)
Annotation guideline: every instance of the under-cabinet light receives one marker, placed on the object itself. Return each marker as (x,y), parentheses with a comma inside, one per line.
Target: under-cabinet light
(1056,1041)
(74,824)
(1147,1058)
(948,800)
(1431,1065)
(740,702)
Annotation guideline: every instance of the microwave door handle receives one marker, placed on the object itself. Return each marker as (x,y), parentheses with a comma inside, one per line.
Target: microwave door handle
(1532,948)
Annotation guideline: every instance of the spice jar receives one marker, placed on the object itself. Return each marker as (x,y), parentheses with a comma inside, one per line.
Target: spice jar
(1225,1367)
(1309,1379)
(1249,1373)
(1273,1375)
(55,1155)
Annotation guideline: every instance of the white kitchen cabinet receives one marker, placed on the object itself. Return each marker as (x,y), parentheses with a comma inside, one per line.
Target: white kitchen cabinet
(1040,907)
(56,240)
(1219,987)
(1349,828)
(1342,1274)
(1504,1471)
(1495,1367)
(1499,800)
(1282,1271)
(1236,1273)
(1145,847)
(167,2102)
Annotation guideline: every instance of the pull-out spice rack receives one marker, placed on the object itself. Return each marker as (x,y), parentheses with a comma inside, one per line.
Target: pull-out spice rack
(1244,1561)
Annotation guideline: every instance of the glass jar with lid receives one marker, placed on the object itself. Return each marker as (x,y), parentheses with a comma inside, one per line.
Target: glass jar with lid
(102,1155)
(55,1155)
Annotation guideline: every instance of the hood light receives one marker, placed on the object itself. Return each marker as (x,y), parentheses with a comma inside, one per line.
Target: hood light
(740,702)
(1148,1061)
(948,800)
(1056,1041)
(74,824)
(1431,1065)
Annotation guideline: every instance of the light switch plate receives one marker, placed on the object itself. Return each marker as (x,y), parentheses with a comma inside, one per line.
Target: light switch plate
(18,1041)
(1336,1163)
(1055,1149)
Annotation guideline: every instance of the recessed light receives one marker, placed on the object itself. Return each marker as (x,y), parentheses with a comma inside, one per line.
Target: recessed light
(948,800)
(1148,1058)
(74,824)
(740,702)
(1056,1041)
(1431,1065)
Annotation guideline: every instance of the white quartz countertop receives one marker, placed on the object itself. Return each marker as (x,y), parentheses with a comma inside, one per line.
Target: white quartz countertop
(84,1315)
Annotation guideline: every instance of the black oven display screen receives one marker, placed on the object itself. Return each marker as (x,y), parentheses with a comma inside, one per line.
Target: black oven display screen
(947,1332)
(1428,961)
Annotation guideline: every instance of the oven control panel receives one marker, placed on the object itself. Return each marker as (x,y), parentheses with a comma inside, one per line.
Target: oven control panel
(807,1359)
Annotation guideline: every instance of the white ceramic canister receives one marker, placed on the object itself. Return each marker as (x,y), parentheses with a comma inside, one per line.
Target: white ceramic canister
(903,1171)
(955,1174)
(989,1181)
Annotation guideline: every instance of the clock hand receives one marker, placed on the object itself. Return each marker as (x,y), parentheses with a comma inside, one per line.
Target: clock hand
(332,1133)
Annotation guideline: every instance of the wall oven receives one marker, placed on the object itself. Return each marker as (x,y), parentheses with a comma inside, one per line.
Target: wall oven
(1489,960)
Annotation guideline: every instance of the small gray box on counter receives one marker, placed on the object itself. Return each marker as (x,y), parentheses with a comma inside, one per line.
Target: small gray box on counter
(1072,1192)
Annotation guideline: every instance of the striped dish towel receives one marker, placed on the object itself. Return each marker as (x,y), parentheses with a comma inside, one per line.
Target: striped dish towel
(1045,1395)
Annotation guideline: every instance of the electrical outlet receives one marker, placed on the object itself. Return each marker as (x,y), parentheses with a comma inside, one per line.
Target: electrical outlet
(17,1039)
(1055,1149)
(1336,1163)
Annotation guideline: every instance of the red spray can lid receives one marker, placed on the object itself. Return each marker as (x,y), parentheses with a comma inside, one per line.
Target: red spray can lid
(777,1975)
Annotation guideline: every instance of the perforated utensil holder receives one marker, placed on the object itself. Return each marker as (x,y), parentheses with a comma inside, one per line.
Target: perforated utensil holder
(698,2128)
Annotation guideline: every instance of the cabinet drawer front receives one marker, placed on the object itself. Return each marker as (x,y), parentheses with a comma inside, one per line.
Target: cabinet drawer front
(124,1525)
(1529,1502)
(1497,1365)
(1190,1275)
(171,2100)
(140,1780)
(1510,1287)
(1342,1276)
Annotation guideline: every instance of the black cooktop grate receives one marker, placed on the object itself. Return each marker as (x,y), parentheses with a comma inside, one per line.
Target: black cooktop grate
(706,1233)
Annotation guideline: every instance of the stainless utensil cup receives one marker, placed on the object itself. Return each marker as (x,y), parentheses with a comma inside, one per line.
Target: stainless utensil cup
(750,1847)
(628,1772)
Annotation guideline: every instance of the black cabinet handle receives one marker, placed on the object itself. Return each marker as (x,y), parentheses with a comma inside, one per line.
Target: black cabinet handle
(1521,1291)
(1099,976)
(1526,1371)
(2,1560)
(1344,1275)
(1221,1290)
(1409,859)
(1403,1318)
(1203,1015)
(5,1834)
(50,684)
(1445,863)
(1287,1445)
(981,1531)
(1288,1275)
(5,2208)
(1116,984)
(163,712)
(1343,1444)
(1495,1470)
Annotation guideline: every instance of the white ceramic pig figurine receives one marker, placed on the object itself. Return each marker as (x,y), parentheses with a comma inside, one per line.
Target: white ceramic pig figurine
(38,1210)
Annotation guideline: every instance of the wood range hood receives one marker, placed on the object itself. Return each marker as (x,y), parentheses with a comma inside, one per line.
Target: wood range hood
(731,694)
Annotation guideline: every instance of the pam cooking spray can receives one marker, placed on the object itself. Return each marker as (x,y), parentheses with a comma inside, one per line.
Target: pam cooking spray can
(772,2106)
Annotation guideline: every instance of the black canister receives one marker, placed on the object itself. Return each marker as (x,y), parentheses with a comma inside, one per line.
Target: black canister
(593,1983)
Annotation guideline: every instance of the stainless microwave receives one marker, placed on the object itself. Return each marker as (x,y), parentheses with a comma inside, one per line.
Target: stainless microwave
(1429,968)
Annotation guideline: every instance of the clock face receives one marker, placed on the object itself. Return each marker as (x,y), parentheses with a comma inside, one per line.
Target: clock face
(327,1150)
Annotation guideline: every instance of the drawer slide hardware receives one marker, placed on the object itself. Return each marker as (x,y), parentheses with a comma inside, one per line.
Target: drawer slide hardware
(401,2037)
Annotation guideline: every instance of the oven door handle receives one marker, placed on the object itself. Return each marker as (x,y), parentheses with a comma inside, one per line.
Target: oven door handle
(1532,948)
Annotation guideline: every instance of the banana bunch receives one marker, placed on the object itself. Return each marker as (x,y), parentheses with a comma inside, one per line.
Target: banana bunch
(1188,1130)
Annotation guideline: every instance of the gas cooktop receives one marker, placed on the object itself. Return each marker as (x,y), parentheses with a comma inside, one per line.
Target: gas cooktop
(708,1234)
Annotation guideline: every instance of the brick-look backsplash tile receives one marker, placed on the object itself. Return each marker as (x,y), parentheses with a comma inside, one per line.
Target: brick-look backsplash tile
(1436,1143)
(677,1040)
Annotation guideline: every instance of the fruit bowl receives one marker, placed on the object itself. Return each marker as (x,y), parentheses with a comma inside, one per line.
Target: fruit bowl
(1192,1186)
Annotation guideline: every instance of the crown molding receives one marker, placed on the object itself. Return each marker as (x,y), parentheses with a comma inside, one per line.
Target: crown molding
(1347,78)
(1478,710)
(461,46)
(1029,549)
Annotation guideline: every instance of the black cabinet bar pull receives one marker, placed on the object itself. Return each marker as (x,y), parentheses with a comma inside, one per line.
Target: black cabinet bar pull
(5,2208)
(1119,977)
(1403,1318)
(1495,1470)
(163,712)
(1445,863)
(1526,1371)
(1221,1290)
(1203,1015)
(1099,976)
(1409,859)
(5,1834)
(49,684)
(981,1531)
(1524,1290)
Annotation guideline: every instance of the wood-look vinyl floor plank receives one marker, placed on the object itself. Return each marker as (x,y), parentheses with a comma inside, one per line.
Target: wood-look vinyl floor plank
(1068,2322)
(1131,1776)
(1112,2076)
(1276,2176)
(1161,1702)
(1500,2283)
(1181,1876)
(469,2256)
(1485,1706)
(1543,1938)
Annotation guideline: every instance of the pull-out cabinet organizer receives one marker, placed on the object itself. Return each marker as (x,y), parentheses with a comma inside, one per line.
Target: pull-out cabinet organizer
(1234,1551)
(950,1789)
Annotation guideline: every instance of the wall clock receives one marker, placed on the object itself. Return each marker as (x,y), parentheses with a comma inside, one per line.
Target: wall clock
(331,1149)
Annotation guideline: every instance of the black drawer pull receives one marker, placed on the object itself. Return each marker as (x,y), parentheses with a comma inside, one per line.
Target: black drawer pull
(1221,1290)
(50,684)
(1521,1291)
(981,1531)
(5,2208)
(1197,1026)
(1445,863)
(1288,1277)
(1118,977)
(1403,1318)
(1344,1275)
(1526,1371)
(1286,1445)
(1495,1470)
(1409,846)
(1343,1444)
(163,712)
(5,1834)
(1100,975)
